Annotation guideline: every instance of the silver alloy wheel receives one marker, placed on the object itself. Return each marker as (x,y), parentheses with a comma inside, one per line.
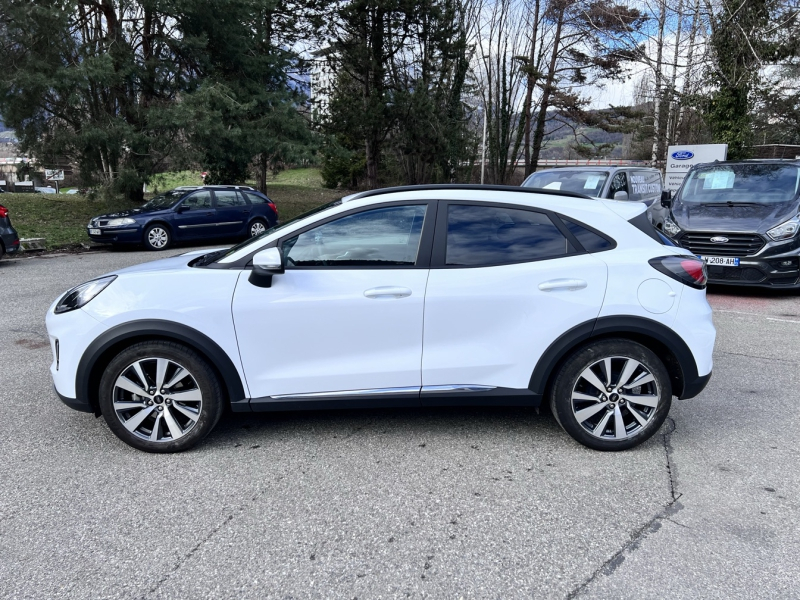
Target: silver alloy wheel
(257,228)
(615,398)
(157,399)
(157,237)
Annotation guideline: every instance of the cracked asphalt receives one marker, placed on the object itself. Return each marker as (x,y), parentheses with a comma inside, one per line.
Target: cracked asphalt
(451,503)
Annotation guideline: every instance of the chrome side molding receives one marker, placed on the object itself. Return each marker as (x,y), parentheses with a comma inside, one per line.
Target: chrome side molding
(372,392)
(457,388)
(380,391)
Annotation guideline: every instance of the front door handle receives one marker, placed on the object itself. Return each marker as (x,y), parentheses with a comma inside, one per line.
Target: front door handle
(570,285)
(387,291)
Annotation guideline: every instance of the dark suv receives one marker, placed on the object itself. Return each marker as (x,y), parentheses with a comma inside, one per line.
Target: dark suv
(742,218)
(9,240)
(188,213)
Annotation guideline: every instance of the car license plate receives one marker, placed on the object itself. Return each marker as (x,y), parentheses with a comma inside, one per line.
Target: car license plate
(95,232)
(723,261)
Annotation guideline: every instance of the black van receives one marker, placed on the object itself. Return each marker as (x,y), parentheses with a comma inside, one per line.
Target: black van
(742,218)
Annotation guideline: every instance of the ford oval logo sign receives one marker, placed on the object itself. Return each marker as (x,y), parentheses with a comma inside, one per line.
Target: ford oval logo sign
(719,239)
(682,155)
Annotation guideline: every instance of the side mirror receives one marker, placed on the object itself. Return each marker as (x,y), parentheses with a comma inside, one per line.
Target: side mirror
(666,198)
(266,263)
(621,195)
(182,209)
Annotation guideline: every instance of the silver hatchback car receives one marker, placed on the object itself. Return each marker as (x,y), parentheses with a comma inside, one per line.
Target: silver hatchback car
(637,184)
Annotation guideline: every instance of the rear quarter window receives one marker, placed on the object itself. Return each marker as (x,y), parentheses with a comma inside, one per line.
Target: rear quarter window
(590,240)
(255,198)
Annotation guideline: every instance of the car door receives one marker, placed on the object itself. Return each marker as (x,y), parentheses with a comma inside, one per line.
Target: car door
(195,216)
(505,282)
(344,321)
(233,212)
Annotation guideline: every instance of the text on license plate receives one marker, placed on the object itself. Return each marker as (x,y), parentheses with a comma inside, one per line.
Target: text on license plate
(724,261)
(94,232)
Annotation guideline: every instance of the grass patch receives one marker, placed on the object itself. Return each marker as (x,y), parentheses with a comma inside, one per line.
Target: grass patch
(309,178)
(167,181)
(59,218)
(293,200)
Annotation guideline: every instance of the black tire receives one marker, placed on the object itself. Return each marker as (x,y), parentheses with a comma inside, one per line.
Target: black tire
(570,379)
(254,224)
(157,237)
(201,374)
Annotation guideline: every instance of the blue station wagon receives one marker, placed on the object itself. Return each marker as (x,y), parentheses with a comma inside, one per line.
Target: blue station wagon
(187,214)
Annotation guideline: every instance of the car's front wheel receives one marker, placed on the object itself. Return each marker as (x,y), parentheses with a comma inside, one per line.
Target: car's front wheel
(157,237)
(612,394)
(160,396)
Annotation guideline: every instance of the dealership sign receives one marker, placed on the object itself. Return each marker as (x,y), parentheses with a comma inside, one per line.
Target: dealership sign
(681,158)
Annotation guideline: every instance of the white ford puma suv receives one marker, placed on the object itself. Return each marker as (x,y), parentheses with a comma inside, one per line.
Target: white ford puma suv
(418,296)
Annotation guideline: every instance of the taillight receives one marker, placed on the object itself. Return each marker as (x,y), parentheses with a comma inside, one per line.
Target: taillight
(689,270)
(3,212)
(274,208)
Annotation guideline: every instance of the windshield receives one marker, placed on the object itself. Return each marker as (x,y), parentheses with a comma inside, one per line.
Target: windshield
(165,200)
(745,183)
(582,182)
(221,254)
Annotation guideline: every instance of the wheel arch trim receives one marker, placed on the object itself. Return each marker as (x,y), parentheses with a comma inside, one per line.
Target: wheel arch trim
(102,350)
(670,347)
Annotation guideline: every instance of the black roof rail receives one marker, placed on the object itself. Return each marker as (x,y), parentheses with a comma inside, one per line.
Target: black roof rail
(467,186)
(228,186)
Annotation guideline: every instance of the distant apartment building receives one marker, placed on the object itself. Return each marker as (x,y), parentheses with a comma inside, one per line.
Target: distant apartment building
(321,82)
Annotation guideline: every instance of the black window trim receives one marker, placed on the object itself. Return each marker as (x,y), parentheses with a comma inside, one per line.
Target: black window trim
(439,253)
(425,240)
(431,248)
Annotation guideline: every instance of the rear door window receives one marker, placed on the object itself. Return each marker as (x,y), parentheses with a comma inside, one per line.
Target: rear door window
(228,198)
(480,236)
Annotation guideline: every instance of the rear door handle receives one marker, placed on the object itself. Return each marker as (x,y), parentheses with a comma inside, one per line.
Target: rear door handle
(569,285)
(387,291)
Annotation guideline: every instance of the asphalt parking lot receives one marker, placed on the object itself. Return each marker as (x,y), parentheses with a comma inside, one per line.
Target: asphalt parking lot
(456,503)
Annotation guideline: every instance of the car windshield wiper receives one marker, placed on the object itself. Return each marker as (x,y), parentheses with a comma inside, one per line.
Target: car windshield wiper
(207,259)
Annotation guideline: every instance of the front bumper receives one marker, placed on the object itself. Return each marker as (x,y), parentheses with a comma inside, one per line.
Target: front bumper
(116,235)
(70,334)
(74,404)
(772,271)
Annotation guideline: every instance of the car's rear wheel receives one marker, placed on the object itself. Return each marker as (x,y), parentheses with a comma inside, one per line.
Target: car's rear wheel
(612,394)
(257,227)
(157,237)
(160,396)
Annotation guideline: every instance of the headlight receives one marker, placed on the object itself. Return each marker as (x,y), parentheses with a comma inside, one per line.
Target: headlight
(671,228)
(786,230)
(81,295)
(118,222)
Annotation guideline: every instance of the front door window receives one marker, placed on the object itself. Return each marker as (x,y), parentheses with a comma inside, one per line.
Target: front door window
(382,237)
